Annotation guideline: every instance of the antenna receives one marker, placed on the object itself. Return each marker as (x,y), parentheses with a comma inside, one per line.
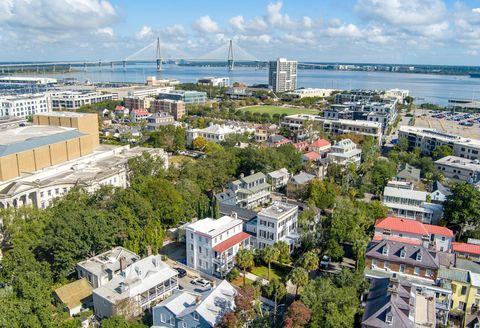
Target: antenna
(159,56)
(230,62)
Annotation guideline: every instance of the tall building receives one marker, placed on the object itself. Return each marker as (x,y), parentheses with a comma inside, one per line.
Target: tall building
(24,105)
(282,75)
(175,107)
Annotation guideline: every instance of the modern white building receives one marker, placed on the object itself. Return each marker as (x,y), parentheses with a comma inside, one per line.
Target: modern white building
(282,75)
(278,223)
(310,92)
(428,139)
(459,169)
(252,190)
(399,94)
(345,152)
(76,99)
(216,132)
(107,165)
(411,204)
(212,244)
(25,80)
(100,269)
(24,105)
(137,288)
(215,81)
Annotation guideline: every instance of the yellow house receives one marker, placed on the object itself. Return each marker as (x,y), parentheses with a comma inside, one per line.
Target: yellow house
(459,282)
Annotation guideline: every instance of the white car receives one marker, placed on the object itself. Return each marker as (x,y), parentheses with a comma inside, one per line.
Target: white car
(200,282)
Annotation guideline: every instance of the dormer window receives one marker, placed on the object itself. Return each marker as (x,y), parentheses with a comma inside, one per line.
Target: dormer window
(403,253)
(419,256)
(389,318)
(195,316)
(385,250)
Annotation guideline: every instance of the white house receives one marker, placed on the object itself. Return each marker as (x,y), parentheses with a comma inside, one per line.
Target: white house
(212,244)
(278,223)
(345,152)
(135,289)
(252,190)
(216,132)
(279,178)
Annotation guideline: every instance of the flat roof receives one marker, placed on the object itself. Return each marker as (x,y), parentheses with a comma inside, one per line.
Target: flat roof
(277,210)
(459,162)
(405,193)
(65,114)
(109,260)
(212,227)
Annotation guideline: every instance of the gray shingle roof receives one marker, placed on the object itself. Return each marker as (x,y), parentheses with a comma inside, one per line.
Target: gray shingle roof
(453,274)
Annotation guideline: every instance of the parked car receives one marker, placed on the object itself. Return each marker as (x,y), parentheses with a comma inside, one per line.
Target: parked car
(325,262)
(181,272)
(200,282)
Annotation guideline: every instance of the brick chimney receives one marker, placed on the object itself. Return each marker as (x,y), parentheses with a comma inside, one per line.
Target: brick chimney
(123,263)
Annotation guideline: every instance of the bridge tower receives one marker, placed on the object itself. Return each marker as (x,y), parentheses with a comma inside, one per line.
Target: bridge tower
(85,66)
(230,62)
(159,56)
(124,65)
(112,67)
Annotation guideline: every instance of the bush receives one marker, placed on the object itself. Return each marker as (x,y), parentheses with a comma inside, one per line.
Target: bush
(233,274)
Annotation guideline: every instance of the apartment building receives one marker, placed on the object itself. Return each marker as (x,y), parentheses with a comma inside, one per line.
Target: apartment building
(282,75)
(251,191)
(100,269)
(138,102)
(459,169)
(211,244)
(25,105)
(173,107)
(414,232)
(405,259)
(140,286)
(428,139)
(278,222)
(188,97)
(345,152)
(411,204)
(76,99)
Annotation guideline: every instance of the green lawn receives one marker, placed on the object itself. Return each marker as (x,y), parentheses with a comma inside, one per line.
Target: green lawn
(279,110)
(277,270)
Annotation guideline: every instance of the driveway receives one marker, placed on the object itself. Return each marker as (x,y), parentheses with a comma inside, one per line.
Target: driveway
(175,251)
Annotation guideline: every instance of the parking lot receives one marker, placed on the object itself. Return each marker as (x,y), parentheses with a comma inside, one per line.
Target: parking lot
(463,124)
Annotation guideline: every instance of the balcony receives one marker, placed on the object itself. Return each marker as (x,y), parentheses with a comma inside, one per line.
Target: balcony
(157,292)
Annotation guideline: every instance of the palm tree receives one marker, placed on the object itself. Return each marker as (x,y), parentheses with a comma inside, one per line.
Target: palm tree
(309,261)
(244,260)
(270,254)
(299,277)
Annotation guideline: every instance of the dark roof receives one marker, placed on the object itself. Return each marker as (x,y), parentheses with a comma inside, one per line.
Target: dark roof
(440,187)
(409,172)
(467,265)
(428,260)
(242,213)
(381,301)
(225,195)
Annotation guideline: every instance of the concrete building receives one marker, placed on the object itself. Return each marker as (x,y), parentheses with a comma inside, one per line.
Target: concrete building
(238,93)
(278,223)
(459,169)
(174,107)
(216,133)
(136,91)
(411,204)
(152,81)
(138,102)
(100,269)
(310,92)
(211,245)
(185,310)
(24,105)
(188,97)
(221,82)
(25,80)
(251,191)
(399,94)
(159,119)
(282,75)
(428,139)
(345,152)
(76,99)
(140,286)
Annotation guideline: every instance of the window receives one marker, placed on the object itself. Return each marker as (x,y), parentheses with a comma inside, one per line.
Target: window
(195,316)
(443,238)
(461,306)
(172,321)
(191,247)
(200,249)
(403,253)
(386,265)
(428,273)
(402,268)
(464,290)
(478,291)
(374,262)
(416,270)
(162,317)
(389,318)
(385,250)
(184,324)
(419,256)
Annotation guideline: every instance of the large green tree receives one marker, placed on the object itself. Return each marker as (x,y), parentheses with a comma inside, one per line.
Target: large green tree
(244,259)
(270,254)
(462,207)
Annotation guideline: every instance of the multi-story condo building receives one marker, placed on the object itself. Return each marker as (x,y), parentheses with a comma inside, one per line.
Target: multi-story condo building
(411,204)
(188,97)
(251,191)
(282,75)
(216,133)
(345,152)
(26,81)
(276,223)
(24,105)
(459,169)
(405,259)
(428,139)
(140,286)
(138,102)
(295,123)
(159,119)
(174,107)
(414,232)
(399,94)
(76,99)
(102,268)
(211,244)
(186,310)
(215,81)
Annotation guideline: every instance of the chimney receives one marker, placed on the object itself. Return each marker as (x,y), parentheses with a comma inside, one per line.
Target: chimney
(149,250)
(234,215)
(252,172)
(393,285)
(242,175)
(198,299)
(123,263)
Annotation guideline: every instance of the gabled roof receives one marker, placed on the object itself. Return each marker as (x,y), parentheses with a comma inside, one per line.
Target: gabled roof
(466,248)
(230,242)
(302,178)
(140,111)
(409,172)
(454,274)
(412,226)
(399,239)
(441,188)
(320,143)
(312,155)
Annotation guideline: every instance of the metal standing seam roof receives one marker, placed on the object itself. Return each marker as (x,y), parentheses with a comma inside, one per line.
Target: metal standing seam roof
(35,142)
(454,274)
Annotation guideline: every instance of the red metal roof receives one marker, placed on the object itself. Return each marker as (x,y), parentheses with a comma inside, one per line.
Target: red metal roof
(399,239)
(320,143)
(412,226)
(141,112)
(230,242)
(118,107)
(466,248)
(312,155)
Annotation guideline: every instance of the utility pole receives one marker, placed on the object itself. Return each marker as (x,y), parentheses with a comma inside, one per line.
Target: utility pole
(159,56)
(230,62)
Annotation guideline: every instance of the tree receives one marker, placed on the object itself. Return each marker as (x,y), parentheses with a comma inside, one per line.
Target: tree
(442,151)
(322,193)
(244,260)
(117,321)
(299,277)
(309,261)
(298,315)
(380,173)
(284,252)
(462,207)
(269,255)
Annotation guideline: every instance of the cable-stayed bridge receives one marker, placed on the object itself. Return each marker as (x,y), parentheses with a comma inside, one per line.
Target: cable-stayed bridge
(156,52)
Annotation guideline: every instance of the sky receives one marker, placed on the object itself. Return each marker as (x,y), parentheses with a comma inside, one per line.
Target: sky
(367,31)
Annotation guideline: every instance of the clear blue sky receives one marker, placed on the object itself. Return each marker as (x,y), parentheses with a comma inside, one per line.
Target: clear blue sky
(386,31)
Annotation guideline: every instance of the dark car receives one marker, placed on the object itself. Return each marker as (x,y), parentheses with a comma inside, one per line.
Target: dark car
(181,272)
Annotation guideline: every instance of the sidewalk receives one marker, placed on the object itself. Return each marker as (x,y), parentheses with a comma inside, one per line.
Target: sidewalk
(253,277)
